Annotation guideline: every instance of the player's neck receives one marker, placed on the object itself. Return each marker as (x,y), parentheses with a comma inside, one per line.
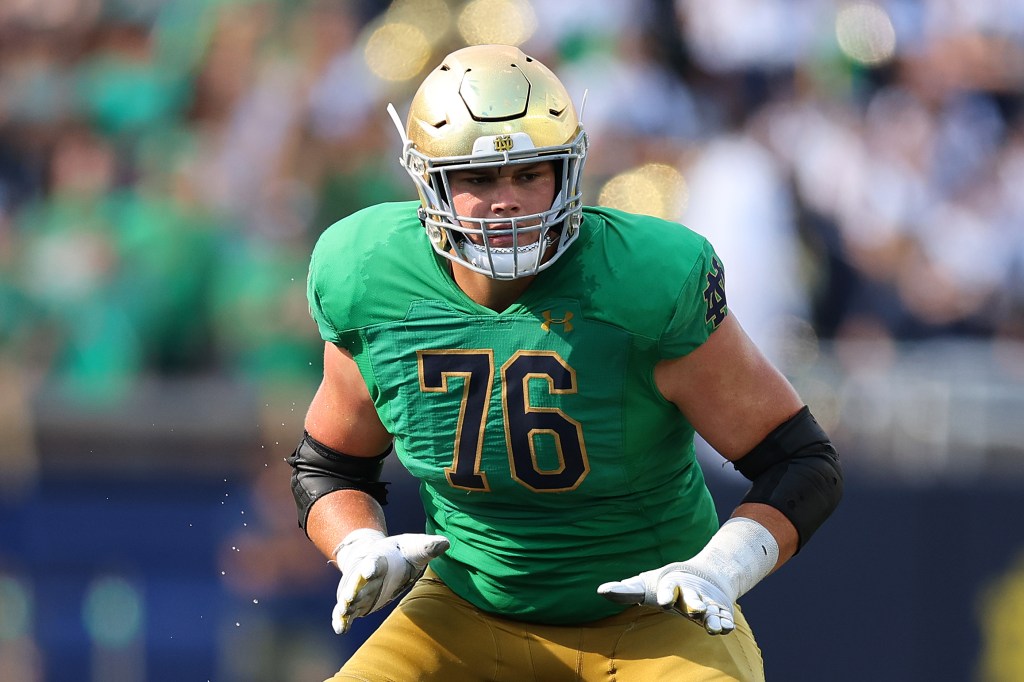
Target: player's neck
(496,294)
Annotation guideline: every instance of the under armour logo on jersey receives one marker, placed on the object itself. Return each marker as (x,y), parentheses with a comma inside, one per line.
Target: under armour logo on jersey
(564,321)
(714,294)
(503,143)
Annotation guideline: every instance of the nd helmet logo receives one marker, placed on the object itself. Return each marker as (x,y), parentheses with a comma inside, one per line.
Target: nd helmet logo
(503,143)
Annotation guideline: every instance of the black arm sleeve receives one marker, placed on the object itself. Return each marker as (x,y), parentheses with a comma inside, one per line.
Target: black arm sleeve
(796,470)
(318,470)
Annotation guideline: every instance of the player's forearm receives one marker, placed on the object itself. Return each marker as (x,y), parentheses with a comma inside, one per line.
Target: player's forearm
(335,515)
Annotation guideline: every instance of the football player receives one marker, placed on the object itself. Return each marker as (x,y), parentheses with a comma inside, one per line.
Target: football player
(541,367)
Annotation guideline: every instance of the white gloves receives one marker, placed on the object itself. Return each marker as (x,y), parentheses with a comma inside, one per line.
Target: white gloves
(704,588)
(376,568)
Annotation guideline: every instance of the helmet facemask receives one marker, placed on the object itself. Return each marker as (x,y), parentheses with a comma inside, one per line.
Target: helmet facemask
(494,142)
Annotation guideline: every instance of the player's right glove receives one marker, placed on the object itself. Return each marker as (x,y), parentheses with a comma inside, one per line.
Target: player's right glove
(376,568)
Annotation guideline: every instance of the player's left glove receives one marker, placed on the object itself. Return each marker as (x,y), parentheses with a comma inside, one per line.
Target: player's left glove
(681,587)
(704,588)
(376,568)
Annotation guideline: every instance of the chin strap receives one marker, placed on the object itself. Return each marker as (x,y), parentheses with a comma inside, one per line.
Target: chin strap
(505,262)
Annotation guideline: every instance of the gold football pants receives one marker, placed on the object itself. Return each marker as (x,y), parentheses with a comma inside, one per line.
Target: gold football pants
(434,635)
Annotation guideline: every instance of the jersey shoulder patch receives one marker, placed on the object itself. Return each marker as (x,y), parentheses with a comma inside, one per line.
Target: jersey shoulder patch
(714,294)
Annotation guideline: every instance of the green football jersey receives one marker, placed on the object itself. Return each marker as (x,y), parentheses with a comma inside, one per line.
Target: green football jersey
(545,452)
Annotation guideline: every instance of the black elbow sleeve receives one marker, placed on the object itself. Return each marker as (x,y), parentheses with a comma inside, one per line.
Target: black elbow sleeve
(318,470)
(795,469)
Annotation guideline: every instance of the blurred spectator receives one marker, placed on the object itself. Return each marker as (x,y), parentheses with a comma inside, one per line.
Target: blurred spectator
(69,266)
(739,200)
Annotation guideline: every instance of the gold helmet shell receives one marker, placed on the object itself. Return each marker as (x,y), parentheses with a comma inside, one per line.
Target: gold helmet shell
(490,105)
(489,90)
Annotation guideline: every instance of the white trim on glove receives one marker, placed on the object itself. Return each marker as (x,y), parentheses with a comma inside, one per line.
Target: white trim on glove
(742,553)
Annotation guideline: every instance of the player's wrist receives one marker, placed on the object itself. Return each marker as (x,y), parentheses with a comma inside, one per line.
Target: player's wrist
(350,543)
(738,556)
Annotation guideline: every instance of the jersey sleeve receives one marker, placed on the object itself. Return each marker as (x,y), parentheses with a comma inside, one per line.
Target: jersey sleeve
(316,310)
(700,308)
(364,269)
(323,285)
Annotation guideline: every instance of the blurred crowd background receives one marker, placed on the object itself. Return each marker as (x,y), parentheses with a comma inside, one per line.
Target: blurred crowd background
(166,166)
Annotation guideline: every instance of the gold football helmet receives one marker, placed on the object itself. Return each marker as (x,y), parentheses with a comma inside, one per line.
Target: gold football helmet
(491,105)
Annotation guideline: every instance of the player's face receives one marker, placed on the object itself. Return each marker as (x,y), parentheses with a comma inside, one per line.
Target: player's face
(504,192)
